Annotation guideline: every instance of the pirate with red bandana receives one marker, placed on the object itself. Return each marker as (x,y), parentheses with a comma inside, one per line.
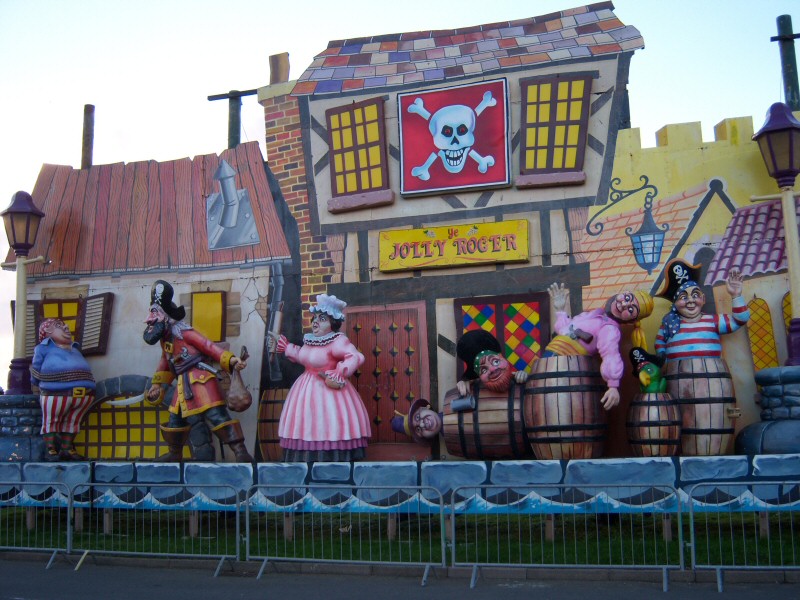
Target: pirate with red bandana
(185,357)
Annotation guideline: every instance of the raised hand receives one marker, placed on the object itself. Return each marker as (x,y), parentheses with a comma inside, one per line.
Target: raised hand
(734,283)
(559,296)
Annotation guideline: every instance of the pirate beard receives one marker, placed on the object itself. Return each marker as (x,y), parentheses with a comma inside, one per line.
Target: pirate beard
(500,384)
(153,333)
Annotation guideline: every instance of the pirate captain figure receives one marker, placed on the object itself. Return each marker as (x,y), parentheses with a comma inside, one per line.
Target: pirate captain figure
(66,388)
(185,356)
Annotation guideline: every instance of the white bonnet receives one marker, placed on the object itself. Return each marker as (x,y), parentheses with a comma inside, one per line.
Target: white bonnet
(330,305)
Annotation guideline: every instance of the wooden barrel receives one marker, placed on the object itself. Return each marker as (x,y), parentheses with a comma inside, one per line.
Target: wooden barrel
(269,415)
(704,390)
(493,430)
(654,425)
(562,414)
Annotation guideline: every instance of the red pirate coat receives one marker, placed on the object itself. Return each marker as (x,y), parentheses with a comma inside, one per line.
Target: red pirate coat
(181,359)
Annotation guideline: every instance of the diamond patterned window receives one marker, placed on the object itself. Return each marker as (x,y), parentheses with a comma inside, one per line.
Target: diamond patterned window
(516,322)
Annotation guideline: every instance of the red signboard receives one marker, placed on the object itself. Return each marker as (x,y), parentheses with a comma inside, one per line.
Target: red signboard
(454,138)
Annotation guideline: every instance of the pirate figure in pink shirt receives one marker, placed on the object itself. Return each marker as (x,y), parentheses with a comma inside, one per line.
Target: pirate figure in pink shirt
(66,388)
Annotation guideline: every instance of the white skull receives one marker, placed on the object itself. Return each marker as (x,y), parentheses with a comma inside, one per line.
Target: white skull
(453,131)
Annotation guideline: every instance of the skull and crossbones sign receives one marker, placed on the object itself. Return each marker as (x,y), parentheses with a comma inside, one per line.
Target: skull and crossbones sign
(453,131)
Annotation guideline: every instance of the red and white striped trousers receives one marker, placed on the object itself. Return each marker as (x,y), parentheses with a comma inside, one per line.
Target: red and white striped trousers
(63,414)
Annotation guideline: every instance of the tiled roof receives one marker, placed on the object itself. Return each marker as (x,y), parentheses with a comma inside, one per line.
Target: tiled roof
(753,242)
(147,215)
(430,56)
(612,262)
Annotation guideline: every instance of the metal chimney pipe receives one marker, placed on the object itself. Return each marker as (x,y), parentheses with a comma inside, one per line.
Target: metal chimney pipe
(785,39)
(88,136)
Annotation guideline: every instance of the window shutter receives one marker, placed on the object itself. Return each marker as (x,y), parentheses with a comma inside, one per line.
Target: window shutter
(96,324)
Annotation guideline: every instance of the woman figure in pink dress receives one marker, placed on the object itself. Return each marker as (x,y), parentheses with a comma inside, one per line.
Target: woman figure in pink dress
(323,417)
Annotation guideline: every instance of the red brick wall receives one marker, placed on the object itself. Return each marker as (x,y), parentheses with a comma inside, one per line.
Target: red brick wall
(286,160)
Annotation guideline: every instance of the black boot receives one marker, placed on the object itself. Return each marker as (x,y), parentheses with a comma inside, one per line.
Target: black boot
(176,438)
(51,447)
(68,451)
(230,433)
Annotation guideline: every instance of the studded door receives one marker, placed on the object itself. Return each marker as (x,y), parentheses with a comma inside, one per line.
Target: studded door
(395,371)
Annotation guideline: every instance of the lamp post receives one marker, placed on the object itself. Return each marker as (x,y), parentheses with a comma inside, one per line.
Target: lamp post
(779,142)
(21,220)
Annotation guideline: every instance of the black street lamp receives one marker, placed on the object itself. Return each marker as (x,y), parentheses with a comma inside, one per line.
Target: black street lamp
(21,220)
(779,142)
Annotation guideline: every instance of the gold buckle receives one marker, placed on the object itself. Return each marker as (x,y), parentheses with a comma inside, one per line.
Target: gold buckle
(168,347)
(78,392)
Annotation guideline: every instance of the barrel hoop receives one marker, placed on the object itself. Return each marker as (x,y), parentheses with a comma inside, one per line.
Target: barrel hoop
(568,427)
(720,400)
(700,375)
(696,430)
(654,441)
(653,403)
(550,389)
(652,423)
(563,374)
(568,439)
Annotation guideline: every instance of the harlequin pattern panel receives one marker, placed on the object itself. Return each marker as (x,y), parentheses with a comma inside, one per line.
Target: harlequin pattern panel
(762,338)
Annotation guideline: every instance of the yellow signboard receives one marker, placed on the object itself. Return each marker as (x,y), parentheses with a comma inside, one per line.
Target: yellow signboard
(470,244)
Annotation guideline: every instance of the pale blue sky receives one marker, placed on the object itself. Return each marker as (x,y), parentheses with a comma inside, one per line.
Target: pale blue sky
(149,65)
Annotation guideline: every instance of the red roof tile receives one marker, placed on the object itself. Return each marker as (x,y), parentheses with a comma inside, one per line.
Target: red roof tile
(147,215)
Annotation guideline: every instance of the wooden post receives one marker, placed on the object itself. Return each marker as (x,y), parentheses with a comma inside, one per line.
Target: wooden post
(194,524)
(666,525)
(77,520)
(108,521)
(391,526)
(288,527)
(550,528)
(763,524)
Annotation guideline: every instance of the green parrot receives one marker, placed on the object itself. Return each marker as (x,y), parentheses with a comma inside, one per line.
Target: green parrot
(651,380)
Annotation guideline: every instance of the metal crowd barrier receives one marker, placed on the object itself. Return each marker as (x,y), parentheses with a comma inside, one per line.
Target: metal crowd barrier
(744,525)
(561,526)
(34,517)
(147,519)
(389,525)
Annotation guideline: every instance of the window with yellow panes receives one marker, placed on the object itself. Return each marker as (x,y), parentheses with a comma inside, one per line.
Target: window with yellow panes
(555,117)
(208,314)
(357,142)
(68,311)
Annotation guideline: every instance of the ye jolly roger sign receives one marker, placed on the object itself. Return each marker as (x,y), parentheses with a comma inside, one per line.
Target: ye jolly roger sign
(454,138)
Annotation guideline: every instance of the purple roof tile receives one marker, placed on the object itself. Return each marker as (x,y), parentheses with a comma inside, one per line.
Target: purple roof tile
(432,55)
(753,243)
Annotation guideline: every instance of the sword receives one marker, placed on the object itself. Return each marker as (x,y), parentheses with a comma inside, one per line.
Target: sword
(127,401)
